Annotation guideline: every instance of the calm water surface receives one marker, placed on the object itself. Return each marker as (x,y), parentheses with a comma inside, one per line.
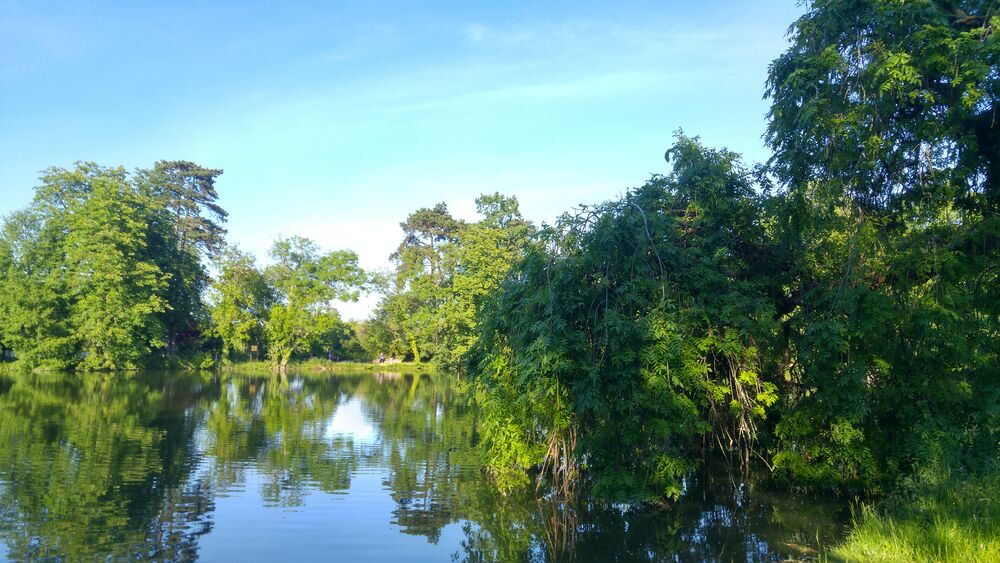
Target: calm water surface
(359,467)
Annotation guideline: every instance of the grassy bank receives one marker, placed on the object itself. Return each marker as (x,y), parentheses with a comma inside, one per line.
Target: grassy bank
(203,362)
(319,365)
(957,520)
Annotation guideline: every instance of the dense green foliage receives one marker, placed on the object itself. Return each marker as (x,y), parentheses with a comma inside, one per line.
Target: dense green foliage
(86,279)
(306,283)
(109,271)
(185,192)
(639,325)
(241,299)
(834,315)
(445,270)
(883,126)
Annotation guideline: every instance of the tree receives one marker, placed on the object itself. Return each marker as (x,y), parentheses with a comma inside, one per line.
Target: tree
(190,230)
(117,289)
(423,278)
(481,259)
(444,271)
(34,301)
(426,232)
(384,332)
(306,283)
(81,288)
(891,102)
(631,332)
(888,157)
(241,300)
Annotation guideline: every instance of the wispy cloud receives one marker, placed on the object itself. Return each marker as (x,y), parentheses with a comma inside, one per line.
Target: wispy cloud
(494,36)
(335,120)
(591,34)
(574,87)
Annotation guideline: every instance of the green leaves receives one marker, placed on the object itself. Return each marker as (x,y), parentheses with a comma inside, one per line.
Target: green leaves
(240,302)
(888,101)
(83,284)
(116,288)
(628,322)
(445,270)
(305,284)
(880,188)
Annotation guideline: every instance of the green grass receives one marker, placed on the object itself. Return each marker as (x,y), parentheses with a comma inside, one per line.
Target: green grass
(321,365)
(953,521)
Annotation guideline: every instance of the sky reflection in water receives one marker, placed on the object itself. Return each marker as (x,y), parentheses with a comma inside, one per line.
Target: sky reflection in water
(353,467)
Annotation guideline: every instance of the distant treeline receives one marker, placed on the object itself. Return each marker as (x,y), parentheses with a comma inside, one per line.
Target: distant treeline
(833,314)
(108,270)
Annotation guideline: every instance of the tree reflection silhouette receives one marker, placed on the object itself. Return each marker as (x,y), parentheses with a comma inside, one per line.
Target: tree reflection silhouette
(97,467)
(116,467)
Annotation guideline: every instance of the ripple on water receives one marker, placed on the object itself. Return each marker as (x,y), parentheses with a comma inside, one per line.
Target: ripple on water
(351,467)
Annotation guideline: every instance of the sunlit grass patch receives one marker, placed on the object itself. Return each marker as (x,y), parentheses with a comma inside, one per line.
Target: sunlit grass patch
(958,521)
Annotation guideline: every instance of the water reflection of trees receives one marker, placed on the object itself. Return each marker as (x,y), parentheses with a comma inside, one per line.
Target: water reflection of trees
(109,467)
(713,523)
(94,467)
(277,427)
(426,441)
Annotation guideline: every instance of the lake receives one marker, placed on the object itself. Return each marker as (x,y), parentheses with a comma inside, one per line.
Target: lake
(347,467)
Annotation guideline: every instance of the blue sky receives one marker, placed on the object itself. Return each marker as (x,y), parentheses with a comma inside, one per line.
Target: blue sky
(334,120)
